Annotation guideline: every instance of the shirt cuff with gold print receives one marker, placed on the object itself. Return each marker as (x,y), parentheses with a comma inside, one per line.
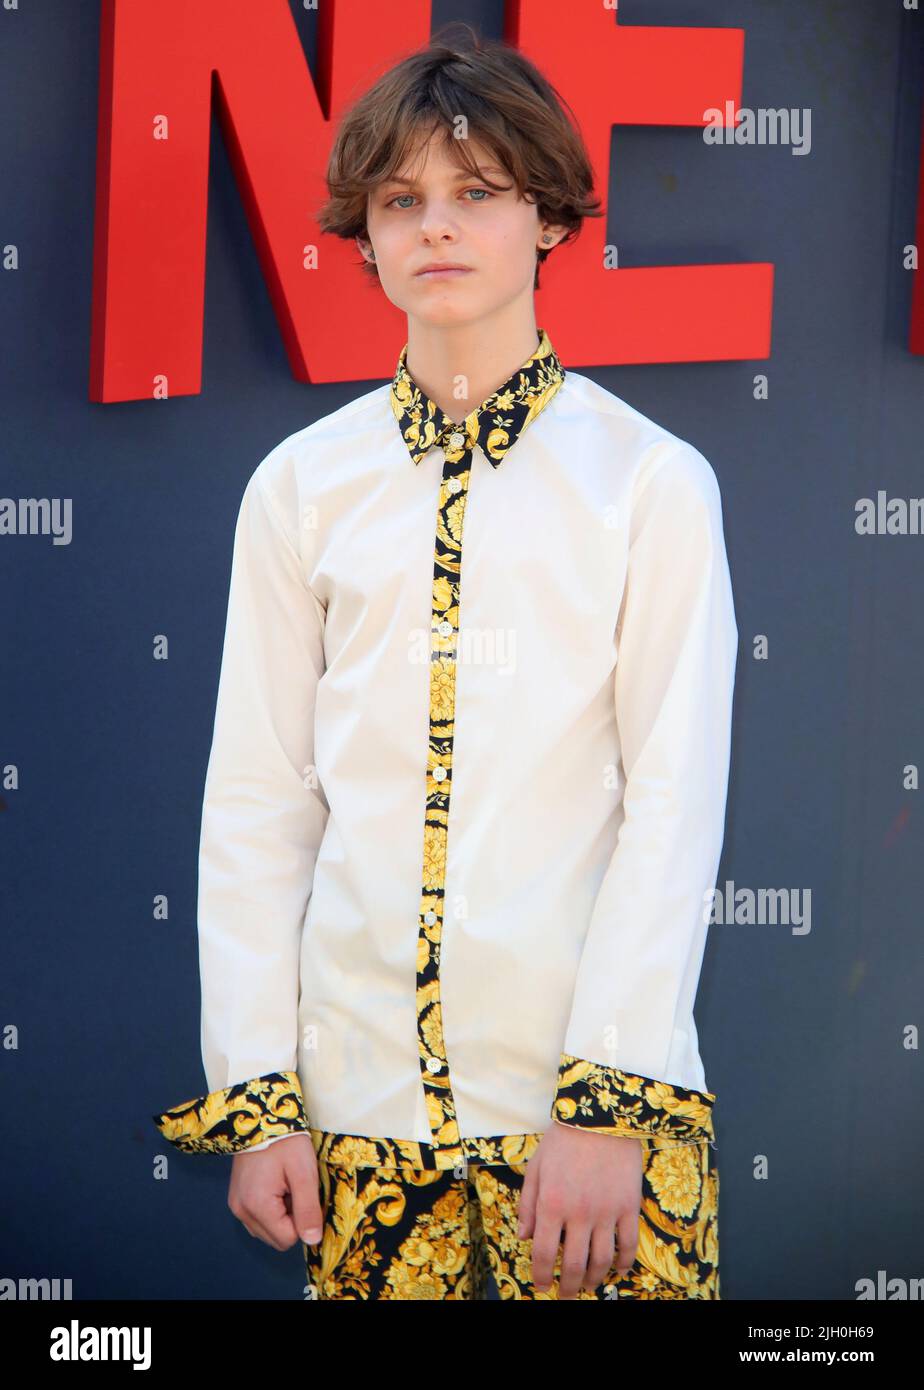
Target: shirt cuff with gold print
(248,1115)
(608,1100)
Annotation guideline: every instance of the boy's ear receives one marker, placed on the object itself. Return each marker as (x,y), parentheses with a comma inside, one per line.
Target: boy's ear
(365,248)
(550,236)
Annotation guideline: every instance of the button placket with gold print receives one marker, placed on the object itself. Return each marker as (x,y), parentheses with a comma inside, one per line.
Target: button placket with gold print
(458,444)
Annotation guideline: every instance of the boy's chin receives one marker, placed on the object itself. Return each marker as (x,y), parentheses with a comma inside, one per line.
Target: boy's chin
(444,311)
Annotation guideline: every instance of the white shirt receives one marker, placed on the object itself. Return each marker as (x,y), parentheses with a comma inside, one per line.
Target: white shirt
(465,800)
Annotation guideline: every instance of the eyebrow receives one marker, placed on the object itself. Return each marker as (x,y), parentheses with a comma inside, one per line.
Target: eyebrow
(462,174)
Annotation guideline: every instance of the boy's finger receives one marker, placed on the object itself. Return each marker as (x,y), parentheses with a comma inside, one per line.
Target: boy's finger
(526,1208)
(574,1252)
(301,1172)
(265,1223)
(628,1241)
(602,1254)
(545,1249)
(307,1214)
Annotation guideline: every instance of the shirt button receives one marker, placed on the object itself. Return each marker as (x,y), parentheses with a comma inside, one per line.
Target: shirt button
(434,1064)
(438,774)
(457,440)
(454,485)
(429,918)
(444,628)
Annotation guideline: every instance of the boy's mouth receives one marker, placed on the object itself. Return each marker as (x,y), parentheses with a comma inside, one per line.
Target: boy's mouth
(441,272)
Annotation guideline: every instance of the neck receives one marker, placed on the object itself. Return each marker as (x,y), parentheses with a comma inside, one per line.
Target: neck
(460,366)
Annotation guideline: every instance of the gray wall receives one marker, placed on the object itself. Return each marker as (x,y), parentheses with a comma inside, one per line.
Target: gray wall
(802,1035)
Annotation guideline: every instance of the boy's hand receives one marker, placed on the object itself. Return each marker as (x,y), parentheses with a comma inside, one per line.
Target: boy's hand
(274,1192)
(589,1184)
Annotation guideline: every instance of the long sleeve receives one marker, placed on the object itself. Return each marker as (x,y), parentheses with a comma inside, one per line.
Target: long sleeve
(621,1069)
(263,818)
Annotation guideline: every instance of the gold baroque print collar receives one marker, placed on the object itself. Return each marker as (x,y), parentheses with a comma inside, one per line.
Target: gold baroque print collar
(498,422)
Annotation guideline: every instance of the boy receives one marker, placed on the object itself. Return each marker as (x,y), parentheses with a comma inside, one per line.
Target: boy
(452,875)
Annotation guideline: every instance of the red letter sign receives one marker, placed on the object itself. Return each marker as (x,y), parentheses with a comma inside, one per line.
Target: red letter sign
(162,67)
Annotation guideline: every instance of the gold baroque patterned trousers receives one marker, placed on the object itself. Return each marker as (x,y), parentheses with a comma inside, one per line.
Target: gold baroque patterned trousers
(392,1233)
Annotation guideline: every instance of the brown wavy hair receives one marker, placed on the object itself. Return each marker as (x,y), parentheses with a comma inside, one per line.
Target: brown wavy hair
(509,106)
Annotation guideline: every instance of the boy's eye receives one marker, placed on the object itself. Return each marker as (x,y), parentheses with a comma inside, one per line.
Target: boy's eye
(486,191)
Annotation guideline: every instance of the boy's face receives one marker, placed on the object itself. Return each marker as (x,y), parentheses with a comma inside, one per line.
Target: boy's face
(441,213)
